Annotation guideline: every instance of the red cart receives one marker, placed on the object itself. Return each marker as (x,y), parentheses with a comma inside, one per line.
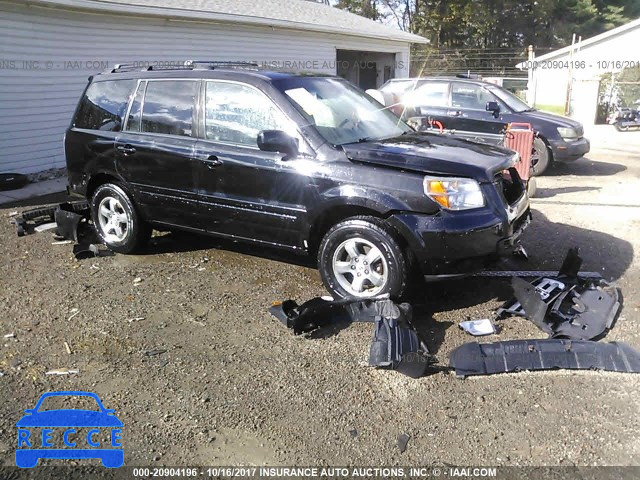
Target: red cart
(519,137)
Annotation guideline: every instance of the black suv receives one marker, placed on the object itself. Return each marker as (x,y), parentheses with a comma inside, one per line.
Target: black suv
(305,163)
(469,106)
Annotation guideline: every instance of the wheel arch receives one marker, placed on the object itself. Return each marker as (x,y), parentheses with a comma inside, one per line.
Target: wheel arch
(101,178)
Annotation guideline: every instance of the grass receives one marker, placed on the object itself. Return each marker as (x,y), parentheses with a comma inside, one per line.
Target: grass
(559,109)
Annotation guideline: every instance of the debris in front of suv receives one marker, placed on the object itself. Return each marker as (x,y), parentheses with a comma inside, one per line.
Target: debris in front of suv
(478,328)
(395,343)
(548,354)
(568,306)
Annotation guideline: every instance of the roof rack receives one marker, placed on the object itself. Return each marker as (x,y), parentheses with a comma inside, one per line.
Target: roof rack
(187,65)
(469,75)
(223,64)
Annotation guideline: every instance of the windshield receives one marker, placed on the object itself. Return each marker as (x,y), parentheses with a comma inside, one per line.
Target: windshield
(512,101)
(340,112)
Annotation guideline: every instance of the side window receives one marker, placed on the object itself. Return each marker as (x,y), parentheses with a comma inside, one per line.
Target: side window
(236,113)
(135,113)
(104,105)
(168,107)
(466,95)
(430,94)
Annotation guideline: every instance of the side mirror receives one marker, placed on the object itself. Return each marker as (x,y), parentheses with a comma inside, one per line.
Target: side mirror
(494,108)
(278,141)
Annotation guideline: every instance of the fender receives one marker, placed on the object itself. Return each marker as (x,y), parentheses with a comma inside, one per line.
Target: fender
(357,196)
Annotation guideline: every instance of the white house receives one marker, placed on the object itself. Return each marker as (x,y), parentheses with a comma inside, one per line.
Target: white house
(573,73)
(48,48)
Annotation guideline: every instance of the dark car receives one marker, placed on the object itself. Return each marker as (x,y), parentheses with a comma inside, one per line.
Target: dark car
(469,106)
(309,164)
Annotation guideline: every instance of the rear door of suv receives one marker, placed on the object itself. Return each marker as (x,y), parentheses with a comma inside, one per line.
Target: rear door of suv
(246,192)
(155,150)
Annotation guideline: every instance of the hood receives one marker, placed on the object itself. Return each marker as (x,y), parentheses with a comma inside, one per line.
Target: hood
(435,154)
(556,120)
(69,418)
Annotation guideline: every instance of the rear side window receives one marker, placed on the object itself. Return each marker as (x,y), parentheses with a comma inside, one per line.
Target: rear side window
(168,107)
(104,105)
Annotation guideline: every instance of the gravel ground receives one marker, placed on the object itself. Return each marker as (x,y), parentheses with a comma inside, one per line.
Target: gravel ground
(227,384)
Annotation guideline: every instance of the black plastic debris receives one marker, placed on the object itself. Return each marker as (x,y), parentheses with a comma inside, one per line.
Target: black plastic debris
(582,311)
(68,220)
(393,335)
(395,343)
(318,312)
(569,306)
(403,440)
(91,250)
(29,219)
(548,354)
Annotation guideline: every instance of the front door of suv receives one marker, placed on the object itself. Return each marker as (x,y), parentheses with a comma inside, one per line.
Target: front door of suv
(468,104)
(154,152)
(246,192)
(429,100)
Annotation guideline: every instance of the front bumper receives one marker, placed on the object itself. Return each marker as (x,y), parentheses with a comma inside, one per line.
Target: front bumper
(460,242)
(564,151)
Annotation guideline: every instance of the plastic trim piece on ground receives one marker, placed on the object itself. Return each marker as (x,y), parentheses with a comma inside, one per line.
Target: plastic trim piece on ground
(395,342)
(549,354)
(568,306)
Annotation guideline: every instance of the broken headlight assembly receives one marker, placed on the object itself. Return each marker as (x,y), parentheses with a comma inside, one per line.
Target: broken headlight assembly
(454,193)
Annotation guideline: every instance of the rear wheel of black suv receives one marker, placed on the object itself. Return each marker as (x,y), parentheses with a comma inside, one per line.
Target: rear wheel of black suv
(361,257)
(116,220)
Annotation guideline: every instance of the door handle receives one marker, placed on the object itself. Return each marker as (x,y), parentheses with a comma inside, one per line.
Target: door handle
(454,113)
(212,162)
(126,149)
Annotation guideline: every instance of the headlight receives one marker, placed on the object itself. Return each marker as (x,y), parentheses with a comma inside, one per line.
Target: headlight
(454,193)
(568,133)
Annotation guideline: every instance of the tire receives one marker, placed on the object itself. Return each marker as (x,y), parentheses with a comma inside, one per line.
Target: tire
(372,243)
(540,157)
(12,181)
(116,220)
(620,127)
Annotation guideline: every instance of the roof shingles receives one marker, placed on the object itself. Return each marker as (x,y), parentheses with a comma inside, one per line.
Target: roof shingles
(298,14)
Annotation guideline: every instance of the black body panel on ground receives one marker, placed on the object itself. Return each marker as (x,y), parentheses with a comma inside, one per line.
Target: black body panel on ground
(549,354)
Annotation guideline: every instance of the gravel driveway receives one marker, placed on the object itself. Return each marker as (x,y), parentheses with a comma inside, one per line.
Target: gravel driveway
(178,341)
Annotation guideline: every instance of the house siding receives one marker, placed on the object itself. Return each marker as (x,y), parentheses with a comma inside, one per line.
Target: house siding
(37,100)
(599,58)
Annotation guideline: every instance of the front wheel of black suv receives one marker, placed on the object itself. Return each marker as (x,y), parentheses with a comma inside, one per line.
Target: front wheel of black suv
(540,157)
(360,257)
(116,220)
